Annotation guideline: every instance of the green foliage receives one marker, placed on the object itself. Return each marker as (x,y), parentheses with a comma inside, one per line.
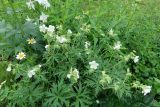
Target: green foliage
(58,96)
(87,53)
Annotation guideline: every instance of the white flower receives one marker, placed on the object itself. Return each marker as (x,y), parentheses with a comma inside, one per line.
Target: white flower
(69,76)
(9,68)
(31,73)
(31,41)
(117,45)
(40,1)
(61,39)
(30,4)
(105,79)
(73,73)
(20,56)
(93,65)
(146,89)
(43,28)
(45,3)
(136,59)
(43,17)
(39,65)
(69,32)
(97,101)
(47,46)
(50,29)
(28,19)
(111,33)
(87,44)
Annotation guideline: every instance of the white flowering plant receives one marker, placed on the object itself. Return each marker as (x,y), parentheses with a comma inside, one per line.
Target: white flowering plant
(79,53)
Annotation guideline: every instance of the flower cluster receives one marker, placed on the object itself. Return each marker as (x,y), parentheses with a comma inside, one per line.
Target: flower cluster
(44,3)
(50,30)
(117,45)
(145,89)
(9,68)
(132,56)
(33,71)
(93,65)
(43,17)
(105,79)
(73,74)
(111,32)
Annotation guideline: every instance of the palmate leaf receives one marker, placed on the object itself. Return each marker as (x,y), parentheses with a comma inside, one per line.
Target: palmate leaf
(3,74)
(28,95)
(30,29)
(93,82)
(81,96)
(58,95)
(3,94)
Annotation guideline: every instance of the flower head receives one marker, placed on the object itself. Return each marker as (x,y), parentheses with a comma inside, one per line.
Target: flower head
(50,29)
(87,44)
(31,41)
(43,28)
(93,65)
(61,39)
(111,32)
(128,73)
(105,79)
(39,65)
(31,73)
(73,73)
(30,4)
(47,46)
(97,101)
(136,59)
(9,68)
(43,17)
(69,32)
(45,3)
(20,56)
(117,45)
(146,89)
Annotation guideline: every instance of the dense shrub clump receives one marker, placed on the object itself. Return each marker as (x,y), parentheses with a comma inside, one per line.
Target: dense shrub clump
(79,53)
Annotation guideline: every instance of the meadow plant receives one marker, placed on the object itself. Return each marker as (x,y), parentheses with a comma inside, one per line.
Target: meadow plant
(79,53)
